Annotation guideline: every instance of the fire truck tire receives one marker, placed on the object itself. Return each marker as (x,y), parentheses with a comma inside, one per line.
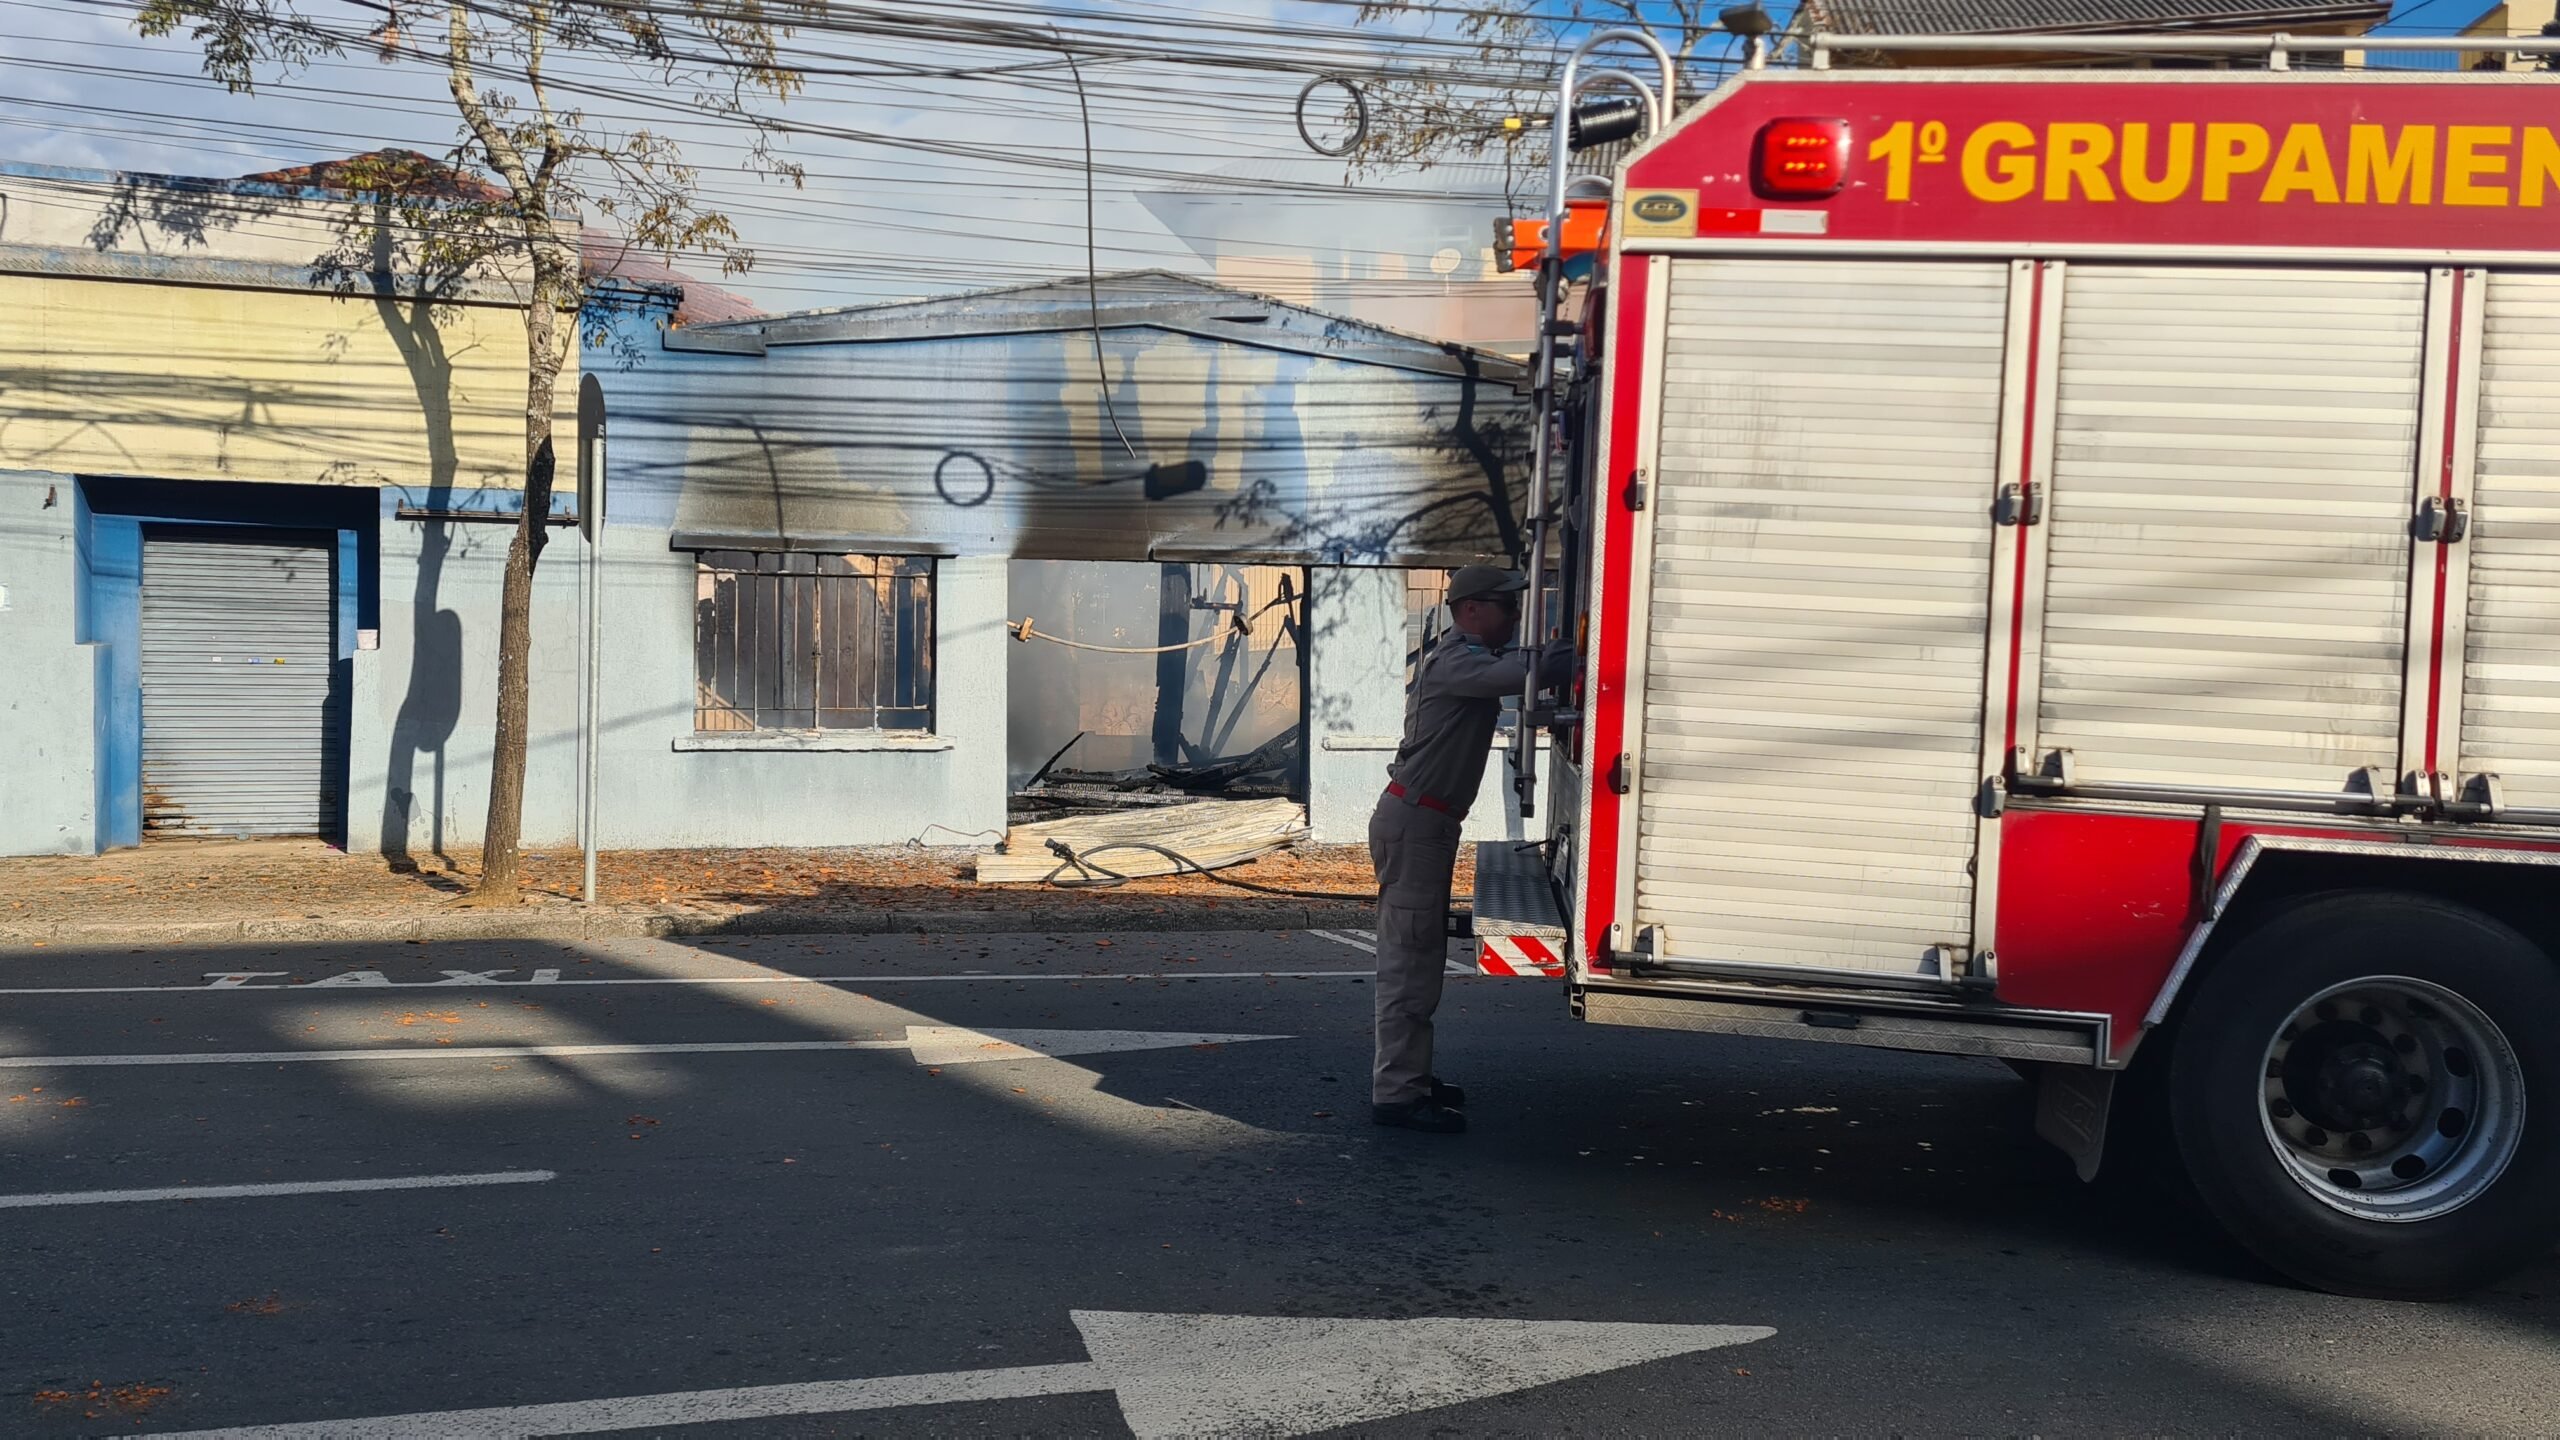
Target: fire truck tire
(2349,1091)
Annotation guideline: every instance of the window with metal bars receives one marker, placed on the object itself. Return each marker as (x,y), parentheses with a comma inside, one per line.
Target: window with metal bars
(812,642)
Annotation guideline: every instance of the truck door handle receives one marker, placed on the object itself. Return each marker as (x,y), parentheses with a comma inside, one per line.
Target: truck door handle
(2443,519)
(2018,505)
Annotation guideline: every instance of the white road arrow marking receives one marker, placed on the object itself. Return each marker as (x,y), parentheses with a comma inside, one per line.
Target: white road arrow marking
(1174,1375)
(935,1045)
(1249,1375)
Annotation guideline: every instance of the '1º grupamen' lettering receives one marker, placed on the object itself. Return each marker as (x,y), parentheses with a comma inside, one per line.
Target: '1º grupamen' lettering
(2218,161)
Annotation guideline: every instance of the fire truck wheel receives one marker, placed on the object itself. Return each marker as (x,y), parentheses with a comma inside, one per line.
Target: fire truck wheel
(2349,1094)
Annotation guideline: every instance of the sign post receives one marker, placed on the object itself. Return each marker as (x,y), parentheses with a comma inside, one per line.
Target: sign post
(591,473)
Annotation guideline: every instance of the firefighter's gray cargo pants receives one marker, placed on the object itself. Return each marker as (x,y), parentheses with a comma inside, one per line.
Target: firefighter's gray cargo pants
(1415,852)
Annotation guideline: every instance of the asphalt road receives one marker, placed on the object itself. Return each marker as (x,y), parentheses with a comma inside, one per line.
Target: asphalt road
(608,1220)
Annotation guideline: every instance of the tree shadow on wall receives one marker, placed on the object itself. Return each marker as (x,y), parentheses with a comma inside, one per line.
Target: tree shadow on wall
(366,263)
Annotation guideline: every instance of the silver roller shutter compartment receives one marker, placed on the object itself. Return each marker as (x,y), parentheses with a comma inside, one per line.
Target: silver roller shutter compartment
(2511,660)
(2228,526)
(242,726)
(2226,582)
(1814,642)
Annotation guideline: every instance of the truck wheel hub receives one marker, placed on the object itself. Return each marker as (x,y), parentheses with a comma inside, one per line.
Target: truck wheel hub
(2392,1099)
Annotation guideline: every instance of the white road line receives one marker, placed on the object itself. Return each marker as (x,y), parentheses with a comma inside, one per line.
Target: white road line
(305,1187)
(929,1044)
(1369,947)
(435,1052)
(220,989)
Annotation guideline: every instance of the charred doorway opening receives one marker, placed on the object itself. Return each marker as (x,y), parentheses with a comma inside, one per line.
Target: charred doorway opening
(1154,682)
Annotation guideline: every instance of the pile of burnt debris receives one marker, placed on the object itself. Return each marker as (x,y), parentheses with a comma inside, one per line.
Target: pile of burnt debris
(1274,770)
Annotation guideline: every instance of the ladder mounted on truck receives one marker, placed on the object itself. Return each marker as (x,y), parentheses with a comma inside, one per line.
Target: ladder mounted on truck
(1545,377)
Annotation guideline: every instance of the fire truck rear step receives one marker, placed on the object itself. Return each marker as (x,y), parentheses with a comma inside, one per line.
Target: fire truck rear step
(1845,1020)
(1518,928)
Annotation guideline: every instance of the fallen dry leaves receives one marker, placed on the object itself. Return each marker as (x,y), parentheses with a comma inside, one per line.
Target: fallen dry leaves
(104,1399)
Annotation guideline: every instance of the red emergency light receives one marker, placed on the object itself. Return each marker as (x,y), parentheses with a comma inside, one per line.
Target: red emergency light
(1800,159)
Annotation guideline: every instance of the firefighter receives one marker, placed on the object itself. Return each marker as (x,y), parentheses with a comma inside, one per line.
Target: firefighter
(1449,718)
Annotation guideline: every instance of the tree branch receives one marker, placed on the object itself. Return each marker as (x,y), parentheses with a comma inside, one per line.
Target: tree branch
(555,147)
(495,142)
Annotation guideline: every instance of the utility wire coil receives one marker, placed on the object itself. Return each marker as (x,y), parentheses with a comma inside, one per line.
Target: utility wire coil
(1359,116)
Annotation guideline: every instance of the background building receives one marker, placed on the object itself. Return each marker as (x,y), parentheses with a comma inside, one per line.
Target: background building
(235,423)
(801,502)
(258,476)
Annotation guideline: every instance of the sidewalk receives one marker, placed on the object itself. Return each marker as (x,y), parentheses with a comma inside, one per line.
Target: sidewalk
(216,892)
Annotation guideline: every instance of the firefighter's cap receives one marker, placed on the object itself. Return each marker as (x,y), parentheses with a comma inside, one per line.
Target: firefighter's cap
(1476,582)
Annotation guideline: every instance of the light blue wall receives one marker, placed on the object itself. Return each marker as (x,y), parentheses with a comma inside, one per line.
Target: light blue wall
(425,702)
(1355,709)
(660,788)
(658,791)
(112,621)
(48,716)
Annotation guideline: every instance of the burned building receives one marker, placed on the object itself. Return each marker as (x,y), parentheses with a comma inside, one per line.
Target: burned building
(872,568)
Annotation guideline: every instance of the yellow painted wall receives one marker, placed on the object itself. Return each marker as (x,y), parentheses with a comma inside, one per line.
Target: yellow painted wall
(121,377)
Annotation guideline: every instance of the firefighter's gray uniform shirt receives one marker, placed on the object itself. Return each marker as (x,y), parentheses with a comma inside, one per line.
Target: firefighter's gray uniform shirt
(1449,720)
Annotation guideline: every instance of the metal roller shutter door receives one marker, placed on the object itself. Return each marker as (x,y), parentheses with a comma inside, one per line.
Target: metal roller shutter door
(1815,635)
(2227,531)
(2511,660)
(241,722)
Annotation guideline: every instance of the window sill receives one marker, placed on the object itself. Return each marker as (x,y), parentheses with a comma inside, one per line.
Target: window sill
(812,740)
(1338,742)
(1370,743)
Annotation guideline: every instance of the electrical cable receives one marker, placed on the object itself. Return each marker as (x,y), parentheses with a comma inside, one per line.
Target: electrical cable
(1021,630)
(1180,36)
(1359,112)
(972,836)
(1091,876)
(1092,285)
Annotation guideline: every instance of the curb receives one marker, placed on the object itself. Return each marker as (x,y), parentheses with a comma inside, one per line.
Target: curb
(568,923)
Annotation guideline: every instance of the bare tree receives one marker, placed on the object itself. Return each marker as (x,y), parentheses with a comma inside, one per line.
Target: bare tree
(1500,98)
(527,167)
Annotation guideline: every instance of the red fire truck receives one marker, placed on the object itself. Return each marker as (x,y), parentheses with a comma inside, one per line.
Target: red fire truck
(2069,571)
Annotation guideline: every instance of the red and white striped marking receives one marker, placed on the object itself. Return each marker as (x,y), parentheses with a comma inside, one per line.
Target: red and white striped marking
(1519,956)
(1764,222)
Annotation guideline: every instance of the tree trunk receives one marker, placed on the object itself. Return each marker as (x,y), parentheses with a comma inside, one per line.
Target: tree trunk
(500,878)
